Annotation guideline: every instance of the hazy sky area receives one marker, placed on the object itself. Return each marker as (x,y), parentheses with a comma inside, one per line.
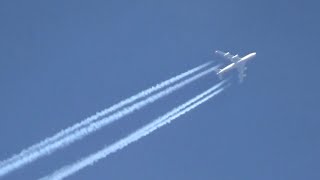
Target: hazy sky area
(62,61)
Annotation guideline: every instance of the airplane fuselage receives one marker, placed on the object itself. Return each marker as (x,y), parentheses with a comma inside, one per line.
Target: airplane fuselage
(238,63)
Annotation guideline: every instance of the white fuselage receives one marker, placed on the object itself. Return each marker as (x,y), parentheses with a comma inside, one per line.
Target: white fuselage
(238,63)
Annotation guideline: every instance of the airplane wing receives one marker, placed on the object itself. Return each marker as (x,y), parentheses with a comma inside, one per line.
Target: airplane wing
(241,70)
(227,55)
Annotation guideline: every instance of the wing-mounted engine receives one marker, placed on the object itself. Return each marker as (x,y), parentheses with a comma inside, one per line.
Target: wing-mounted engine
(241,70)
(235,57)
(227,55)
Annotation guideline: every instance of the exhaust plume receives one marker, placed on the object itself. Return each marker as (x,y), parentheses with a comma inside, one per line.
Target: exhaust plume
(144,131)
(79,133)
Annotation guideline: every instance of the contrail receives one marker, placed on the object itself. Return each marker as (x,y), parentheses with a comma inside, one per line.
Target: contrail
(144,131)
(104,112)
(94,126)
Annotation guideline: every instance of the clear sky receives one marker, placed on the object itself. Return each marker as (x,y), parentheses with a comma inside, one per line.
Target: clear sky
(62,61)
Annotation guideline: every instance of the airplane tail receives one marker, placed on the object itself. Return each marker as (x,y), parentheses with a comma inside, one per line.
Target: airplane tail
(218,72)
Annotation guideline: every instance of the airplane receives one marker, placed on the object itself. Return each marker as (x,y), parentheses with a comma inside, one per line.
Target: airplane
(236,62)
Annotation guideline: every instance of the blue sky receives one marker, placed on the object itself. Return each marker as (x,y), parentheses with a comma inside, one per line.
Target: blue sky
(62,61)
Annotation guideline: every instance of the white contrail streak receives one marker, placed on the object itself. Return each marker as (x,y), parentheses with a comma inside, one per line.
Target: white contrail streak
(94,126)
(144,131)
(102,113)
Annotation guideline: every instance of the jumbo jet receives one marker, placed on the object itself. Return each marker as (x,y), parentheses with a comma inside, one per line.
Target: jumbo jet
(237,62)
